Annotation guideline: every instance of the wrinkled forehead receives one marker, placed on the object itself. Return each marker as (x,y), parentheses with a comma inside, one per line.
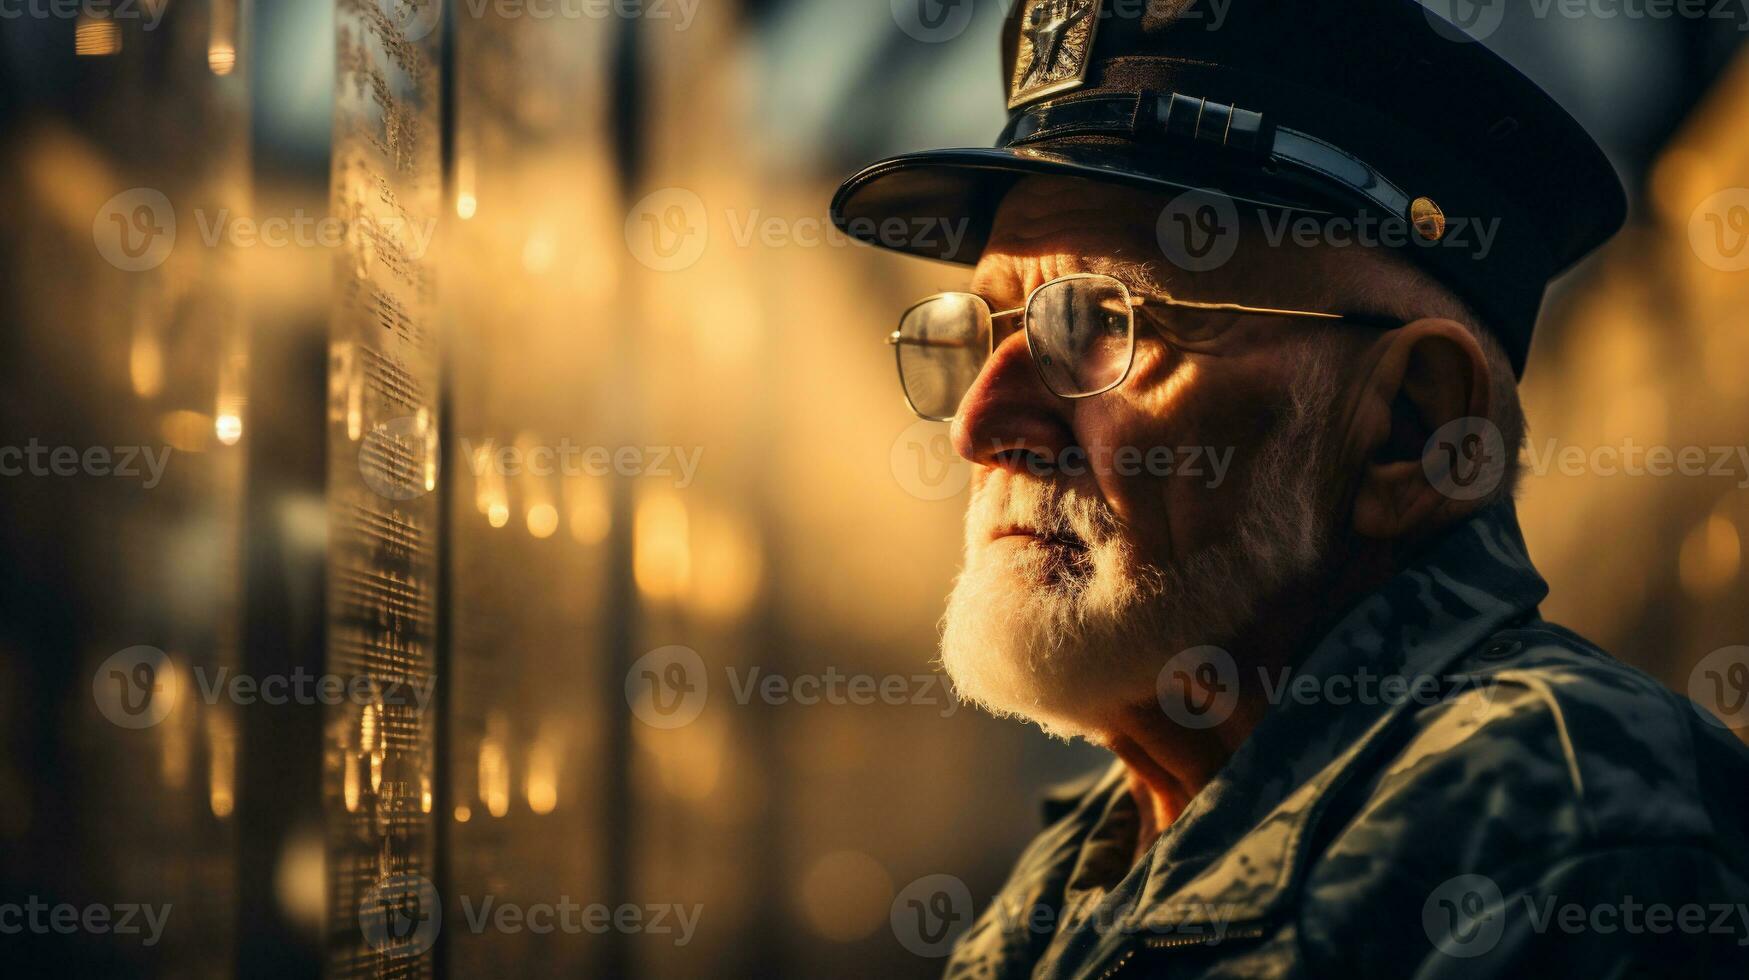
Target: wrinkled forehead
(1046,227)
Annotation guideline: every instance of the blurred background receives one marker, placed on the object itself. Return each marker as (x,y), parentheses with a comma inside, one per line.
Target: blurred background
(496,361)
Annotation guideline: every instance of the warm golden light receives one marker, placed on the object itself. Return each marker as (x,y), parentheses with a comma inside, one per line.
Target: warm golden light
(543,520)
(480,465)
(661,559)
(228,406)
(498,513)
(690,758)
(177,750)
(463,813)
(725,566)
(221,765)
(96,37)
(586,499)
(221,48)
(466,204)
(1711,556)
(229,429)
(845,895)
(146,362)
(300,879)
(538,252)
(534,486)
(350,791)
(367,728)
(541,785)
(494,777)
(221,58)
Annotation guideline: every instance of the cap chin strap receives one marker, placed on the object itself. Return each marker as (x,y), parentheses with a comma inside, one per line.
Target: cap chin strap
(1166,118)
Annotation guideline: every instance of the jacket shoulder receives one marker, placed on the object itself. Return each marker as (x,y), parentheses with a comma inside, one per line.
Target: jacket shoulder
(1540,746)
(1635,759)
(1543,755)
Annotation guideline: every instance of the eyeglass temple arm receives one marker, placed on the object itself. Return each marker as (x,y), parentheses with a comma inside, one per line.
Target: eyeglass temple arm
(1367,319)
(895,338)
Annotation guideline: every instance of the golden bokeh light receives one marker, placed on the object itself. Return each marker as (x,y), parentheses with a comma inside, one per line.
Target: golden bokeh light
(221,764)
(543,520)
(96,37)
(228,428)
(1711,556)
(845,895)
(662,556)
(221,58)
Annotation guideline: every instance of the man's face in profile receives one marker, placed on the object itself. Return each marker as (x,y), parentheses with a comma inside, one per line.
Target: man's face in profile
(1106,534)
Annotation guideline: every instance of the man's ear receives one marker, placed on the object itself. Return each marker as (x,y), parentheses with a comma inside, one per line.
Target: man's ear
(1428,378)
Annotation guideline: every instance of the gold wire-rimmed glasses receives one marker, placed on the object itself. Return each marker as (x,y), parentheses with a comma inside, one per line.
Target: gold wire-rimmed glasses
(1080,333)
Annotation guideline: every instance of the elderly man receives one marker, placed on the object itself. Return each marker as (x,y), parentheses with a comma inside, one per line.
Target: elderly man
(1311,241)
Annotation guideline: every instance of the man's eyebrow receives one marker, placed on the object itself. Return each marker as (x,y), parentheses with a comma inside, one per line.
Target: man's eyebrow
(1139,276)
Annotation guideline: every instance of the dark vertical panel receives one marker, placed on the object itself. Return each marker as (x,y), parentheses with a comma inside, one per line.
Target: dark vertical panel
(622,599)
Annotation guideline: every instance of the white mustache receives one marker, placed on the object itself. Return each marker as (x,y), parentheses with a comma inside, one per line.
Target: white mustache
(1011,501)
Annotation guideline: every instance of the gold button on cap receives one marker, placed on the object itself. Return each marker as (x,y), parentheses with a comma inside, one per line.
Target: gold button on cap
(1428,219)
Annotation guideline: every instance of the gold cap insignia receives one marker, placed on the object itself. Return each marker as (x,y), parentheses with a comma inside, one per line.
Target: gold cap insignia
(1428,219)
(1056,44)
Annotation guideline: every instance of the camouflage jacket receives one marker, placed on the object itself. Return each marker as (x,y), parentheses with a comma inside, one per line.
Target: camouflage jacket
(1521,804)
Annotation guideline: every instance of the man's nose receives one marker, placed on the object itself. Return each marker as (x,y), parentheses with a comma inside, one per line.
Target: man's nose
(1008,418)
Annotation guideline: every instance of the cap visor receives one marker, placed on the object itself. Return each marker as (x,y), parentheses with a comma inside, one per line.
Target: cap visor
(938,204)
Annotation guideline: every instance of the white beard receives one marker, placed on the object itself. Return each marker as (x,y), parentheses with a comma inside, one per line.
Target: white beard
(1071,640)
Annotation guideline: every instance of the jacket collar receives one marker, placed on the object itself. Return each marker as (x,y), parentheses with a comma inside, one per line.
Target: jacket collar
(1232,860)
(1233,857)
(1234,852)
